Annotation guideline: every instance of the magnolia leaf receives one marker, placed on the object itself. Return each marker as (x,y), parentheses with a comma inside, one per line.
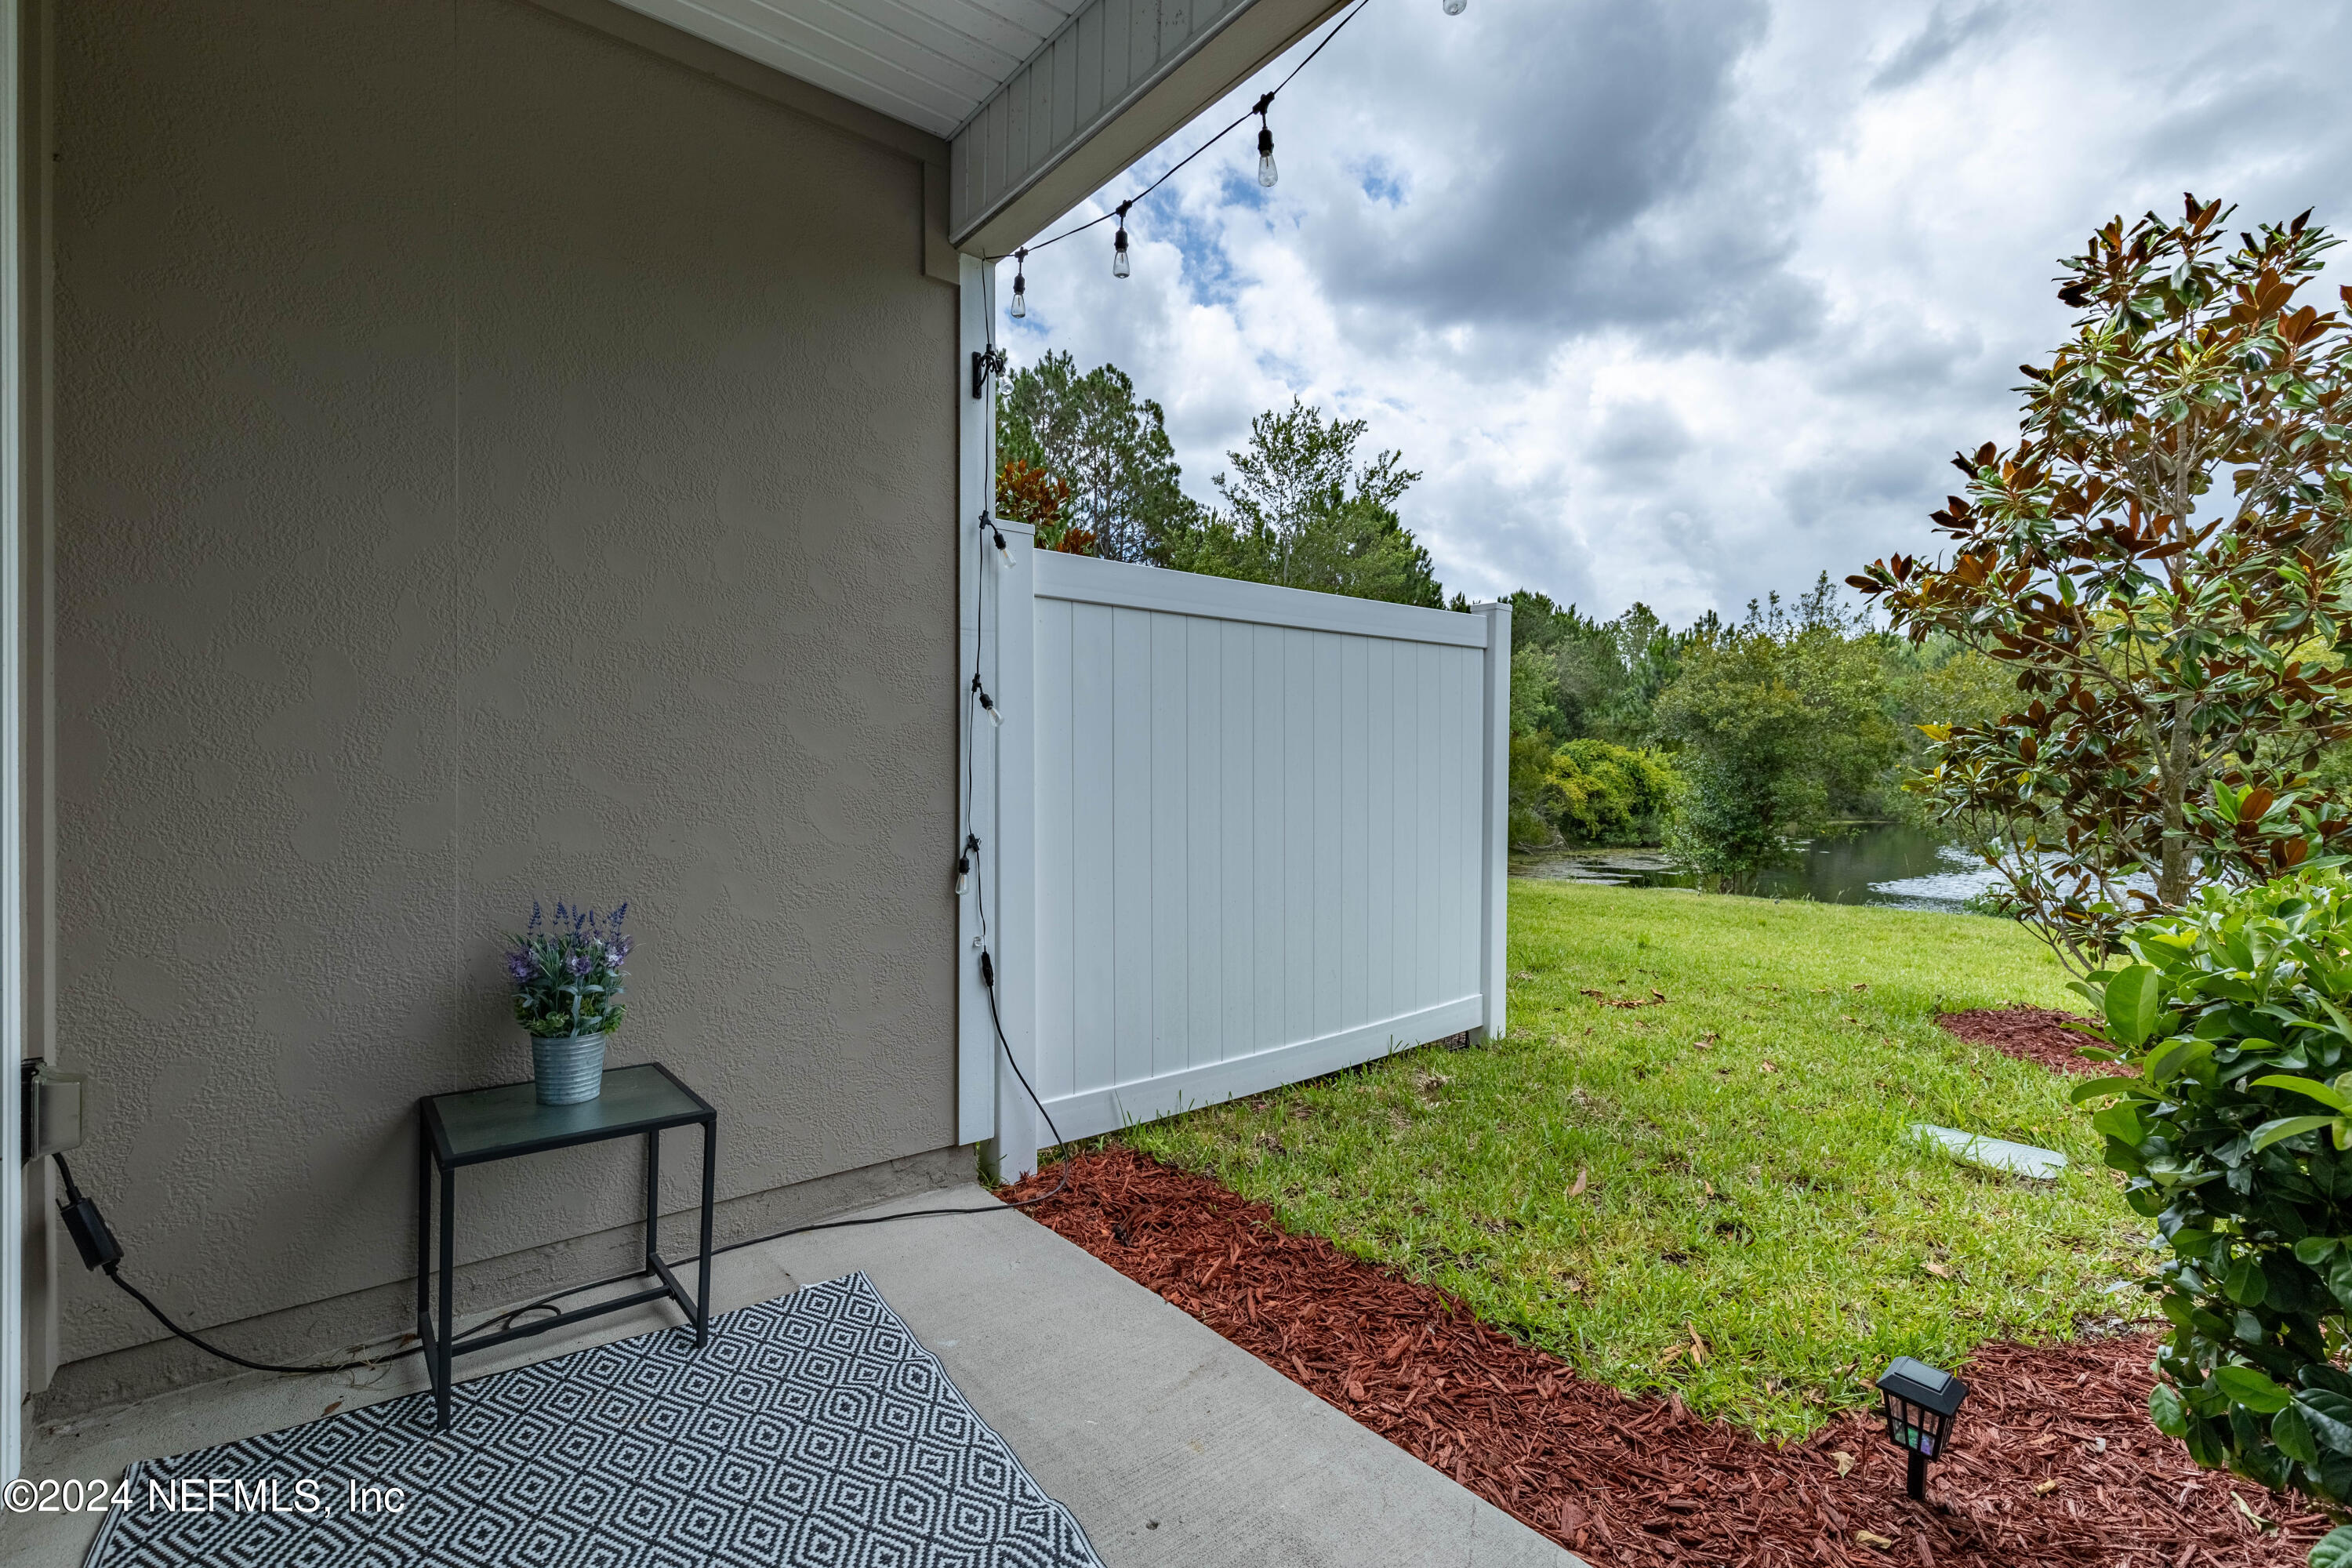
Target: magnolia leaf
(2177,1058)
(2270,1132)
(2312,1249)
(2310,1088)
(2246,1284)
(2329,1416)
(2251,1390)
(2120,1121)
(2133,998)
(2292,1433)
(2165,1409)
(2202,1446)
(2099,1086)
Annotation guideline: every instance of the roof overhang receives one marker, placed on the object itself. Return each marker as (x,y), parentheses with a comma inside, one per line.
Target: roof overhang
(1105,91)
(1041,100)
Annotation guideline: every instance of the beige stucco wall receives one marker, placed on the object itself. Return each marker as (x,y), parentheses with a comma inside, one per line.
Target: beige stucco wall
(492,461)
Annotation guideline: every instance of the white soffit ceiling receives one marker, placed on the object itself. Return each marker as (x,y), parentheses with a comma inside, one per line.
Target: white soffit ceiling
(932,63)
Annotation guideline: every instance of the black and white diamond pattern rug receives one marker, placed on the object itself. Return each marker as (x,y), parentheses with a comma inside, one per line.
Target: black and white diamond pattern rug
(814,1429)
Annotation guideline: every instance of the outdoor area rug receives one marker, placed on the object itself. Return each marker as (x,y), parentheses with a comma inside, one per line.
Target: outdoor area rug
(814,1429)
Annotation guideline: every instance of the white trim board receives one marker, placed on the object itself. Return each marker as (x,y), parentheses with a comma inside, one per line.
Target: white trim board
(1088,580)
(1092,1112)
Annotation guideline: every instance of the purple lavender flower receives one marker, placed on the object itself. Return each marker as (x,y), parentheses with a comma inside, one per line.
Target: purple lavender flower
(579,963)
(520,964)
(535,917)
(616,951)
(619,915)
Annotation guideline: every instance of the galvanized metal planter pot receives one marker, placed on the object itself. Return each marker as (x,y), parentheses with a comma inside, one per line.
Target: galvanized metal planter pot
(568,1068)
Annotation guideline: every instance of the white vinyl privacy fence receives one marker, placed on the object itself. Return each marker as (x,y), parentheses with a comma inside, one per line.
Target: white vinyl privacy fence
(1245,836)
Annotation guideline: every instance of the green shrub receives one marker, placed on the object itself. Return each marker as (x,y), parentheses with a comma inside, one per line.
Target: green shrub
(2232,1137)
(1586,791)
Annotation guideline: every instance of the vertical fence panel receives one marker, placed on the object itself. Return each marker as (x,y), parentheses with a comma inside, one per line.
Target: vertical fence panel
(1240,961)
(1380,822)
(1263,826)
(1354,803)
(1056,904)
(1093,830)
(1297,677)
(1171,920)
(1202,770)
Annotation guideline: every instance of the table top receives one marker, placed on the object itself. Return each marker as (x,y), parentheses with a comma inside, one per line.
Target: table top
(493,1124)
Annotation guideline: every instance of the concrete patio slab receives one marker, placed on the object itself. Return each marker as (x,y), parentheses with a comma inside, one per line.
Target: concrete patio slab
(1171,1444)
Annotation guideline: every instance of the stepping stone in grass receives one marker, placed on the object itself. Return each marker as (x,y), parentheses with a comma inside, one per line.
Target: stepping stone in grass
(1994,1154)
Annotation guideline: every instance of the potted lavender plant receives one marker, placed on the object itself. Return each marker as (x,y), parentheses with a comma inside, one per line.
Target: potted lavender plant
(567,976)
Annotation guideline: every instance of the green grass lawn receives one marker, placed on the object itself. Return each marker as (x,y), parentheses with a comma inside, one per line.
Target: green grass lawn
(1753,1228)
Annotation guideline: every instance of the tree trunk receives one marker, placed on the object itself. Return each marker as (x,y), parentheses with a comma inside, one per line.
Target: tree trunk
(2172,880)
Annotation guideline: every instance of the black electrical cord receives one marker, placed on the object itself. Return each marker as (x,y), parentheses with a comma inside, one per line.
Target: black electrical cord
(99,1250)
(1060,1146)
(75,1200)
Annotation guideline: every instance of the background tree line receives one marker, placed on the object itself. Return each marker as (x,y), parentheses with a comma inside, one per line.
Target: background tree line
(1726,742)
(1088,463)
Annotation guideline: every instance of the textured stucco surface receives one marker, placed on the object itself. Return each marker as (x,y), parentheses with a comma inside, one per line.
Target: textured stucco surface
(492,462)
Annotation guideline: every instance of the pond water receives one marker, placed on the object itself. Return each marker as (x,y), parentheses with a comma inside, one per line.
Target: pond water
(1882,863)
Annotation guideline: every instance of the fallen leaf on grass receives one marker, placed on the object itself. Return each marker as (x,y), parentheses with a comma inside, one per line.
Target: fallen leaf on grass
(1864,985)
(1582,1173)
(1606,1000)
(1770,1067)
(1843,1460)
(1937,1269)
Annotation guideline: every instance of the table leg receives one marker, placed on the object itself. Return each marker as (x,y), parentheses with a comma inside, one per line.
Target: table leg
(653,1196)
(444,1352)
(710,1186)
(425,1242)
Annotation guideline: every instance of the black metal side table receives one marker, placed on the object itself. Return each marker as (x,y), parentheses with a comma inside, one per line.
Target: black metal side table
(485,1124)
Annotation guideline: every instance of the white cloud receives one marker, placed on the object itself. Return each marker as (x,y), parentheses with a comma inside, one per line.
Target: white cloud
(1683,301)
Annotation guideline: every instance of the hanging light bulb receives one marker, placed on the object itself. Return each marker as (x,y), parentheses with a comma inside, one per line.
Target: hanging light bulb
(1266,173)
(1020,284)
(1118,261)
(1453,8)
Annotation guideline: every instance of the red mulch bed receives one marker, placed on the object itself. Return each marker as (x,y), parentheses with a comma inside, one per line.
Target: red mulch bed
(2041,1034)
(2055,1462)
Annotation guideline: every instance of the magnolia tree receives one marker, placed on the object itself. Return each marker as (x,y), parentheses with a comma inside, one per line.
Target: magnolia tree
(2160,561)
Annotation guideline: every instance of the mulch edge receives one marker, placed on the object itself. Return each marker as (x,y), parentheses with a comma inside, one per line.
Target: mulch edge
(2042,1036)
(1639,1479)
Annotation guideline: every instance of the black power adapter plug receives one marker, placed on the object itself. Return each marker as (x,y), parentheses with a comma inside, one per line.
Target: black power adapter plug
(91,1237)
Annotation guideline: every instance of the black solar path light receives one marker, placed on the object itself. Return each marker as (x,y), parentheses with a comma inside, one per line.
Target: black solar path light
(1921,1402)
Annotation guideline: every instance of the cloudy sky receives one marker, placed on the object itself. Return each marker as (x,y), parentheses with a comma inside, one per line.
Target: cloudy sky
(1684,300)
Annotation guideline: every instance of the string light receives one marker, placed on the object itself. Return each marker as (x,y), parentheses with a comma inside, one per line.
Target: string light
(1267,174)
(1122,263)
